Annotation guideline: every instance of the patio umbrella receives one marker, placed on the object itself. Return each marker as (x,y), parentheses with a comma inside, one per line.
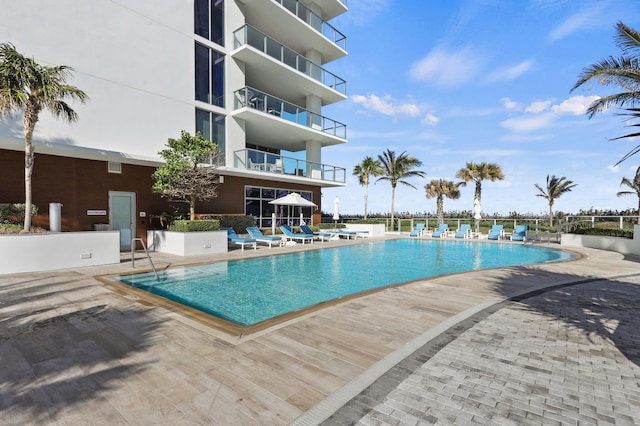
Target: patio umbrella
(293,199)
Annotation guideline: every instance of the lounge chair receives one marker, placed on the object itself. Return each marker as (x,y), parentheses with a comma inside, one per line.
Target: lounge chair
(417,231)
(520,233)
(236,239)
(441,231)
(464,231)
(496,232)
(317,235)
(257,235)
(292,236)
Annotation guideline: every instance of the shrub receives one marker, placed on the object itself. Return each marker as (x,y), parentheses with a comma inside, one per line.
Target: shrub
(610,232)
(195,225)
(14,213)
(238,223)
(368,221)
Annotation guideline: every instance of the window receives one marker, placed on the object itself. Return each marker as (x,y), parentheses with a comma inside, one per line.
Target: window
(113,167)
(211,126)
(209,75)
(209,20)
(257,204)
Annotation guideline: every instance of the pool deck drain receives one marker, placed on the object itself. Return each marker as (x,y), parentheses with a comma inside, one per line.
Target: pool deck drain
(75,351)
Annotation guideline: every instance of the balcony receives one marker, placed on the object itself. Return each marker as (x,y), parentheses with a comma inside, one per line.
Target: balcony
(315,21)
(260,161)
(259,51)
(274,18)
(283,125)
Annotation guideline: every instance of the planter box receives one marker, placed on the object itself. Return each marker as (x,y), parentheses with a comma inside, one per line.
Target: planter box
(59,250)
(187,243)
(617,244)
(374,230)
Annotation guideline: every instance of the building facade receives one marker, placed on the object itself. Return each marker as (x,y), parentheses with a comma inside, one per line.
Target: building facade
(248,74)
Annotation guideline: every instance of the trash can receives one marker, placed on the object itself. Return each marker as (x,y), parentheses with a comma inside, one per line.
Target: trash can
(55,217)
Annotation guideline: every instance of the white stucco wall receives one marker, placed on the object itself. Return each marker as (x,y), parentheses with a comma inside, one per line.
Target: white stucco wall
(135,60)
(62,250)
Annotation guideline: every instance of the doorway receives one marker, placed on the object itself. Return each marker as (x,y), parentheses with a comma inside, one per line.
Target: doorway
(122,210)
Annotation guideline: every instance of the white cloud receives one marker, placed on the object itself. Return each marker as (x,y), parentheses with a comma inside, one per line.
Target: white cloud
(386,105)
(538,106)
(587,18)
(576,105)
(541,114)
(528,123)
(613,169)
(448,69)
(511,73)
(430,120)
(509,104)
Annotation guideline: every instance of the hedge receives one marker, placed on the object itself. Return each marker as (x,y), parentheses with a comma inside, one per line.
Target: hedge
(195,225)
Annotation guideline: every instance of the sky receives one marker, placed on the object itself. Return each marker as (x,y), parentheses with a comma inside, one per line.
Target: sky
(451,82)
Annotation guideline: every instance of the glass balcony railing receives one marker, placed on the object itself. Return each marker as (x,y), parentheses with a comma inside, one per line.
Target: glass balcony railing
(315,21)
(253,98)
(247,35)
(252,159)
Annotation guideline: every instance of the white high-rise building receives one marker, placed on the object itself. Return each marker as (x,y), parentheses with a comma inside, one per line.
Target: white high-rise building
(247,74)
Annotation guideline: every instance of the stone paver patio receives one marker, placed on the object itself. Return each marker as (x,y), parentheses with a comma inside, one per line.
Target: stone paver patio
(73,351)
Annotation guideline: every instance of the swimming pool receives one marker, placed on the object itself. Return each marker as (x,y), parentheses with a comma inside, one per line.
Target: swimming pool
(247,292)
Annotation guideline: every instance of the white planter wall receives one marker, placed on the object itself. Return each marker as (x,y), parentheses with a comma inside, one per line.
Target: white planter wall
(617,244)
(45,252)
(374,230)
(187,243)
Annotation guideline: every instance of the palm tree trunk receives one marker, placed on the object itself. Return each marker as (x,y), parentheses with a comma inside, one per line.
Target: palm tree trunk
(551,214)
(366,197)
(476,197)
(639,210)
(29,125)
(393,199)
(440,203)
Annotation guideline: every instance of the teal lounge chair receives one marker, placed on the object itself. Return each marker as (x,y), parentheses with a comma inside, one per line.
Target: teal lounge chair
(496,232)
(464,231)
(441,231)
(257,235)
(417,232)
(236,239)
(292,236)
(520,233)
(317,235)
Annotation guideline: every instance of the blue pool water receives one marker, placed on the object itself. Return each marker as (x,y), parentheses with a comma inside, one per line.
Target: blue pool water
(249,291)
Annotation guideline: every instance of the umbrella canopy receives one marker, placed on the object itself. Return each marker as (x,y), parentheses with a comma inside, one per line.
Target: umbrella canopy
(293,199)
(336,212)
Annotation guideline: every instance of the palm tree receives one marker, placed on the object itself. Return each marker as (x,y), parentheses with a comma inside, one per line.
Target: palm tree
(29,87)
(441,188)
(369,167)
(623,72)
(477,172)
(395,170)
(634,186)
(556,186)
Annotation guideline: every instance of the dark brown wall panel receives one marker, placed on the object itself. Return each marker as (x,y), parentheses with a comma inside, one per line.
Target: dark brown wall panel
(82,185)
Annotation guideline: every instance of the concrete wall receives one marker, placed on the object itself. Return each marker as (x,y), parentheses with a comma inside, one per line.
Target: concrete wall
(617,244)
(133,59)
(44,252)
(188,243)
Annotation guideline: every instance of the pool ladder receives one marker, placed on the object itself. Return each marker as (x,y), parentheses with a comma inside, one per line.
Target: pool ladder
(133,250)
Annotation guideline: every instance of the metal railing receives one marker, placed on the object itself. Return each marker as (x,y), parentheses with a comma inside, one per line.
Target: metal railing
(601,221)
(252,159)
(248,35)
(315,21)
(133,250)
(253,98)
